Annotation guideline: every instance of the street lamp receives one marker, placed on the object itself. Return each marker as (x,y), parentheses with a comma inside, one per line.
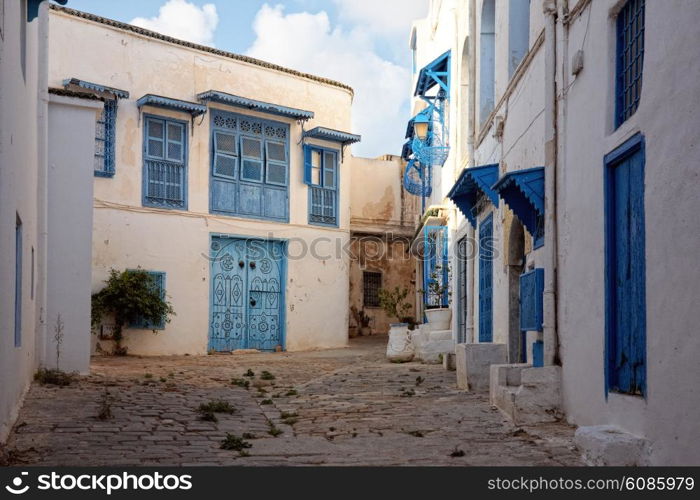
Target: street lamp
(420,125)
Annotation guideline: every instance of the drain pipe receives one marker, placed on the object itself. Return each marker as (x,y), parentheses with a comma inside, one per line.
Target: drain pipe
(471,231)
(551,346)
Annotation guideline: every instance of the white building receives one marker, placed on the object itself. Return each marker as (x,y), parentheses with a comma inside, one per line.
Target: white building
(580,174)
(227,177)
(45,148)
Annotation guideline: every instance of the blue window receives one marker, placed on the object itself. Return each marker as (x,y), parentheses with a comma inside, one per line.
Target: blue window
(625,270)
(18,282)
(250,167)
(105,130)
(321,174)
(165,163)
(159,284)
(630,59)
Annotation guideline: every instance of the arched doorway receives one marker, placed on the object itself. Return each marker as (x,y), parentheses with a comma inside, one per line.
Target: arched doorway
(515,262)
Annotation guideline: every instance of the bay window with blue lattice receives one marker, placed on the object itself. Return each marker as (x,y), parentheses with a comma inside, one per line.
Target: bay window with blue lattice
(321,175)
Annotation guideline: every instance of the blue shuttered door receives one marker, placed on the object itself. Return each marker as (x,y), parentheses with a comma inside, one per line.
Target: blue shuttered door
(531,295)
(486,280)
(626,276)
(246,294)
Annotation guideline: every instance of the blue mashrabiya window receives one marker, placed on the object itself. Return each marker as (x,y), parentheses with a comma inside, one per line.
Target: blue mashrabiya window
(165,163)
(321,175)
(250,167)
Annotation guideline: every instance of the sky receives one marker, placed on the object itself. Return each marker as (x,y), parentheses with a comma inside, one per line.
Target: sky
(363,43)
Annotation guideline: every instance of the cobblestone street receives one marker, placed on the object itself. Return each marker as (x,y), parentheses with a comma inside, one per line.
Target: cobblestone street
(336,407)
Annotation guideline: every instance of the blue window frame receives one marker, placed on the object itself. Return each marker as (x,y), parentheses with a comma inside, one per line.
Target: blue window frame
(250,167)
(158,278)
(105,131)
(18,281)
(625,269)
(630,59)
(321,175)
(164,163)
(531,300)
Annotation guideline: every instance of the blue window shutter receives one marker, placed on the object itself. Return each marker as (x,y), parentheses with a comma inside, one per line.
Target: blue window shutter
(225,155)
(531,300)
(159,284)
(307,165)
(251,159)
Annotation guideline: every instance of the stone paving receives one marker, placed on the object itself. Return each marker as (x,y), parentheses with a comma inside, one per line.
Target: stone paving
(336,407)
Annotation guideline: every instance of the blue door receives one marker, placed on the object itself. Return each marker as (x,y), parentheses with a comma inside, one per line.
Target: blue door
(247,304)
(626,295)
(486,279)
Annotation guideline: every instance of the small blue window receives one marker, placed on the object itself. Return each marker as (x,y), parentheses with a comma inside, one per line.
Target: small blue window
(18,282)
(630,59)
(165,163)
(321,174)
(105,131)
(159,284)
(531,297)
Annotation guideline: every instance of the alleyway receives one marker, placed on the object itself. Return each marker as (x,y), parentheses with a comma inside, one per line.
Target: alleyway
(338,407)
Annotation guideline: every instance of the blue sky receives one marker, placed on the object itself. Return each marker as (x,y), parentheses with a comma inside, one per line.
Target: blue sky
(360,42)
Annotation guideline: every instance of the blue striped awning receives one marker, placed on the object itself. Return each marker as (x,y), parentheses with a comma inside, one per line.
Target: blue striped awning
(264,107)
(95,87)
(169,103)
(474,182)
(523,192)
(329,134)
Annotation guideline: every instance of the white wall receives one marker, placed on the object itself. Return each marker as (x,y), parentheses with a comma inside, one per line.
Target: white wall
(20,139)
(71,148)
(667,116)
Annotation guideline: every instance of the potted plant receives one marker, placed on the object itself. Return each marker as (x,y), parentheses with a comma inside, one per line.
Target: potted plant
(129,296)
(362,320)
(399,348)
(438,298)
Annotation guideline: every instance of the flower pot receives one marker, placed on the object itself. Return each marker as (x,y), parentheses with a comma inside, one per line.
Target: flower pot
(399,348)
(365,331)
(352,332)
(439,318)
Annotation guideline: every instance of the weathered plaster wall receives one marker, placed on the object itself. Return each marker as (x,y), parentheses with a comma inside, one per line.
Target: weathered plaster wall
(383,218)
(667,116)
(127,235)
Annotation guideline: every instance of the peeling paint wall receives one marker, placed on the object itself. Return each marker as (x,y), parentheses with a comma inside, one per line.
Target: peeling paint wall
(383,218)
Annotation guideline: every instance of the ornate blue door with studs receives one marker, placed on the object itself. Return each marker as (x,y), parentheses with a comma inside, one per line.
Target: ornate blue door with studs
(247,297)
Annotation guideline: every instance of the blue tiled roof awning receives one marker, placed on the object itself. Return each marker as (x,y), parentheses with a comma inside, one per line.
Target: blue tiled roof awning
(329,134)
(471,184)
(169,103)
(437,71)
(523,192)
(95,87)
(264,107)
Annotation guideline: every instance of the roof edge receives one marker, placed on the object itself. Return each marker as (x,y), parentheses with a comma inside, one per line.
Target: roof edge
(231,55)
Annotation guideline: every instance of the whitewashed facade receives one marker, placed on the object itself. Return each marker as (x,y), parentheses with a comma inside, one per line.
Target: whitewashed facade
(604,154)
(46,146)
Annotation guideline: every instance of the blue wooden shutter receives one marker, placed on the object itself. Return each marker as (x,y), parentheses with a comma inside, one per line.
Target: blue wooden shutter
(251,159)
(155,138)
(275,163)
(225,155)
(176,142)
(307,164)
(531,295)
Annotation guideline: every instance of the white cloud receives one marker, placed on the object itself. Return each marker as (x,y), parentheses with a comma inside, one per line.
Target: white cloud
(184,20)
(307,42)
(383,17)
